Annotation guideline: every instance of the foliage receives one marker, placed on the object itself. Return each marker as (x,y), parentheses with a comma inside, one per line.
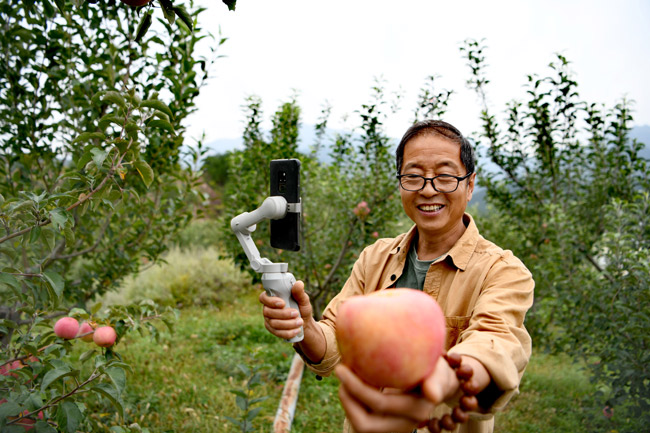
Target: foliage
(244,401)
(93,179)
(568,190)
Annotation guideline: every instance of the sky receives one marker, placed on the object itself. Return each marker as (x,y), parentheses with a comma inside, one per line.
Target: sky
(333,51)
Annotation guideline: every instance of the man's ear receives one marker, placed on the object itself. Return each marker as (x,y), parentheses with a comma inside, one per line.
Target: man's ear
(470,186)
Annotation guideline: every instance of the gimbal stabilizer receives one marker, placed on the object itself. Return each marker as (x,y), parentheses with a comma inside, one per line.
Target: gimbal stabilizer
(275,278)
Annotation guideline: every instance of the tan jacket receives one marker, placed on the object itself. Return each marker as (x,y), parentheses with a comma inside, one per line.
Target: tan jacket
(484,292)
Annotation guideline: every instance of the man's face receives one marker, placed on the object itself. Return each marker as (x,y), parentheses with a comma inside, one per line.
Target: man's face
(435,213)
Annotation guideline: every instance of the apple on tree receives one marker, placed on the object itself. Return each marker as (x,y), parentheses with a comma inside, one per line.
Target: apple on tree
(391,338)
(66,327)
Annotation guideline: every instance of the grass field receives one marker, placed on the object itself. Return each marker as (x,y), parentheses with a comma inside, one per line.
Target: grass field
(183,382)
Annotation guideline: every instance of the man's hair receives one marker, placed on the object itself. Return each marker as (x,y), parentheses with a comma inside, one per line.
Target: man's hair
(444,129)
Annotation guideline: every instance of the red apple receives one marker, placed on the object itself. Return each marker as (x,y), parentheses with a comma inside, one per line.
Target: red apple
(66,327)
(391,338)
(85,328)
(104,336)
(15,365)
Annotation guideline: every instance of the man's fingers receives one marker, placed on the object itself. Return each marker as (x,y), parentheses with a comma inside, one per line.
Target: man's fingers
(365,421)
(271,301)
(399,404)
(286,334)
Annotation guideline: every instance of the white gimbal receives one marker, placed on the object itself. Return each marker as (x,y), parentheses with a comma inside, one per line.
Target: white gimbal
(275,278)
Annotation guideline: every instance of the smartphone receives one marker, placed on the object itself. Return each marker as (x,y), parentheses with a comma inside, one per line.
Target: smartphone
(285,182)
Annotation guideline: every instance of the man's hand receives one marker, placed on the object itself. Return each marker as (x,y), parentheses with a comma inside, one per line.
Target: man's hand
(371,410)
(286,322)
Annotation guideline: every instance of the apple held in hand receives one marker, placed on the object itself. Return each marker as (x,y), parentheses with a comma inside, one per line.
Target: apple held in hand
(391,338)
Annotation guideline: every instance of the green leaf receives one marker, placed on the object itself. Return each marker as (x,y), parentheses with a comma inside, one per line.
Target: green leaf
(55,281)
(144,25)
(44,427)
(168,10)
(10,252)
(242,402)
(9,408)
(96,308)
(115,98)
(108,119)
(85,158)
(9,280)
(162,124)
(110,393)
(35,234)
(181,12)
(99,155)
(157,105)
(253,413)
(118,376)
(69,415)
(59,217)
(69,236)
(61,5)
(145,172)
(87,136)
(86,355)
(54,375)
(231,4)
(48,235)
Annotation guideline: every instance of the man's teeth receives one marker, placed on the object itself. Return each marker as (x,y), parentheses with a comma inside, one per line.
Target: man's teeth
(431,207)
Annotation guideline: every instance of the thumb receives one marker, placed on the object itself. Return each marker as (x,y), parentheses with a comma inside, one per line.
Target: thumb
(302,298)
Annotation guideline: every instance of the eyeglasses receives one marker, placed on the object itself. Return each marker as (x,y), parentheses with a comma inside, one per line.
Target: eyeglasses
(444,183)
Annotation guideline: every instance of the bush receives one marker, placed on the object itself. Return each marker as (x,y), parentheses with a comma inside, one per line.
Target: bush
(191,276)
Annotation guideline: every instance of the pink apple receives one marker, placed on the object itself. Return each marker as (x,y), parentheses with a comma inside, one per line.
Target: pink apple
(66,327)
(104,336)
(85,328)
(391,338)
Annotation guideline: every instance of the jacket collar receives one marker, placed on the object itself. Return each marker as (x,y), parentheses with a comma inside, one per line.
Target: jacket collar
(459,254)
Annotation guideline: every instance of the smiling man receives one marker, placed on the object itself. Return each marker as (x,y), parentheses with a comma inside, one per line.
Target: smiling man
(483,290)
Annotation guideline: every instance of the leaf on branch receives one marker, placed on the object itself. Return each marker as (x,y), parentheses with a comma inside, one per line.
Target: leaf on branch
(69,416)
(54,375)
(55,281)
(144,25)
(231,4)
(157,105)
(9,409)
(162,124)
(99,155)
(118,377)
(182,13)
(110,393)
(87,136)
(108,119)
(145,172)
(115,98)
(168,10)
(9,280)
(59,217)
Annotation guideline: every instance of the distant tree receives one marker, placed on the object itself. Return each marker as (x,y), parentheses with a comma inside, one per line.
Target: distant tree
(571,198)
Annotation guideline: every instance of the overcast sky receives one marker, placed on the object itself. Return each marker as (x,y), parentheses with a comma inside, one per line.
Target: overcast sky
(333,50)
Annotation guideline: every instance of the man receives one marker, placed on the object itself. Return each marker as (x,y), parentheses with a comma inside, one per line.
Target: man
(483,290)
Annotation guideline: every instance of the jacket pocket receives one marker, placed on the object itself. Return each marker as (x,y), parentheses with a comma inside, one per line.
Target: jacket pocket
(455,325)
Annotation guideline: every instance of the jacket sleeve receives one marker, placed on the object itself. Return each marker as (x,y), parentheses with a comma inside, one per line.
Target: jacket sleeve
(496,335)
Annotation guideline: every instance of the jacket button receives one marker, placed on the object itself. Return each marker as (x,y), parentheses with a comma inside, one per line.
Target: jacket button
(393,277)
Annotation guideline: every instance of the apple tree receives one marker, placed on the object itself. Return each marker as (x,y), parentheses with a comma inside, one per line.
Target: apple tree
(569,191)
(94,180)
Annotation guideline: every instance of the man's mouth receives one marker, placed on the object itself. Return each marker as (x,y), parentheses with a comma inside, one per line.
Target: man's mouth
(430,207)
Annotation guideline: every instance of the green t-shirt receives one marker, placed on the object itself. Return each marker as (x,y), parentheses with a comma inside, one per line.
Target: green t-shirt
(415,270)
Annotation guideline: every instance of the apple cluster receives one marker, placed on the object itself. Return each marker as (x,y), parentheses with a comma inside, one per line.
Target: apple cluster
(69,328)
